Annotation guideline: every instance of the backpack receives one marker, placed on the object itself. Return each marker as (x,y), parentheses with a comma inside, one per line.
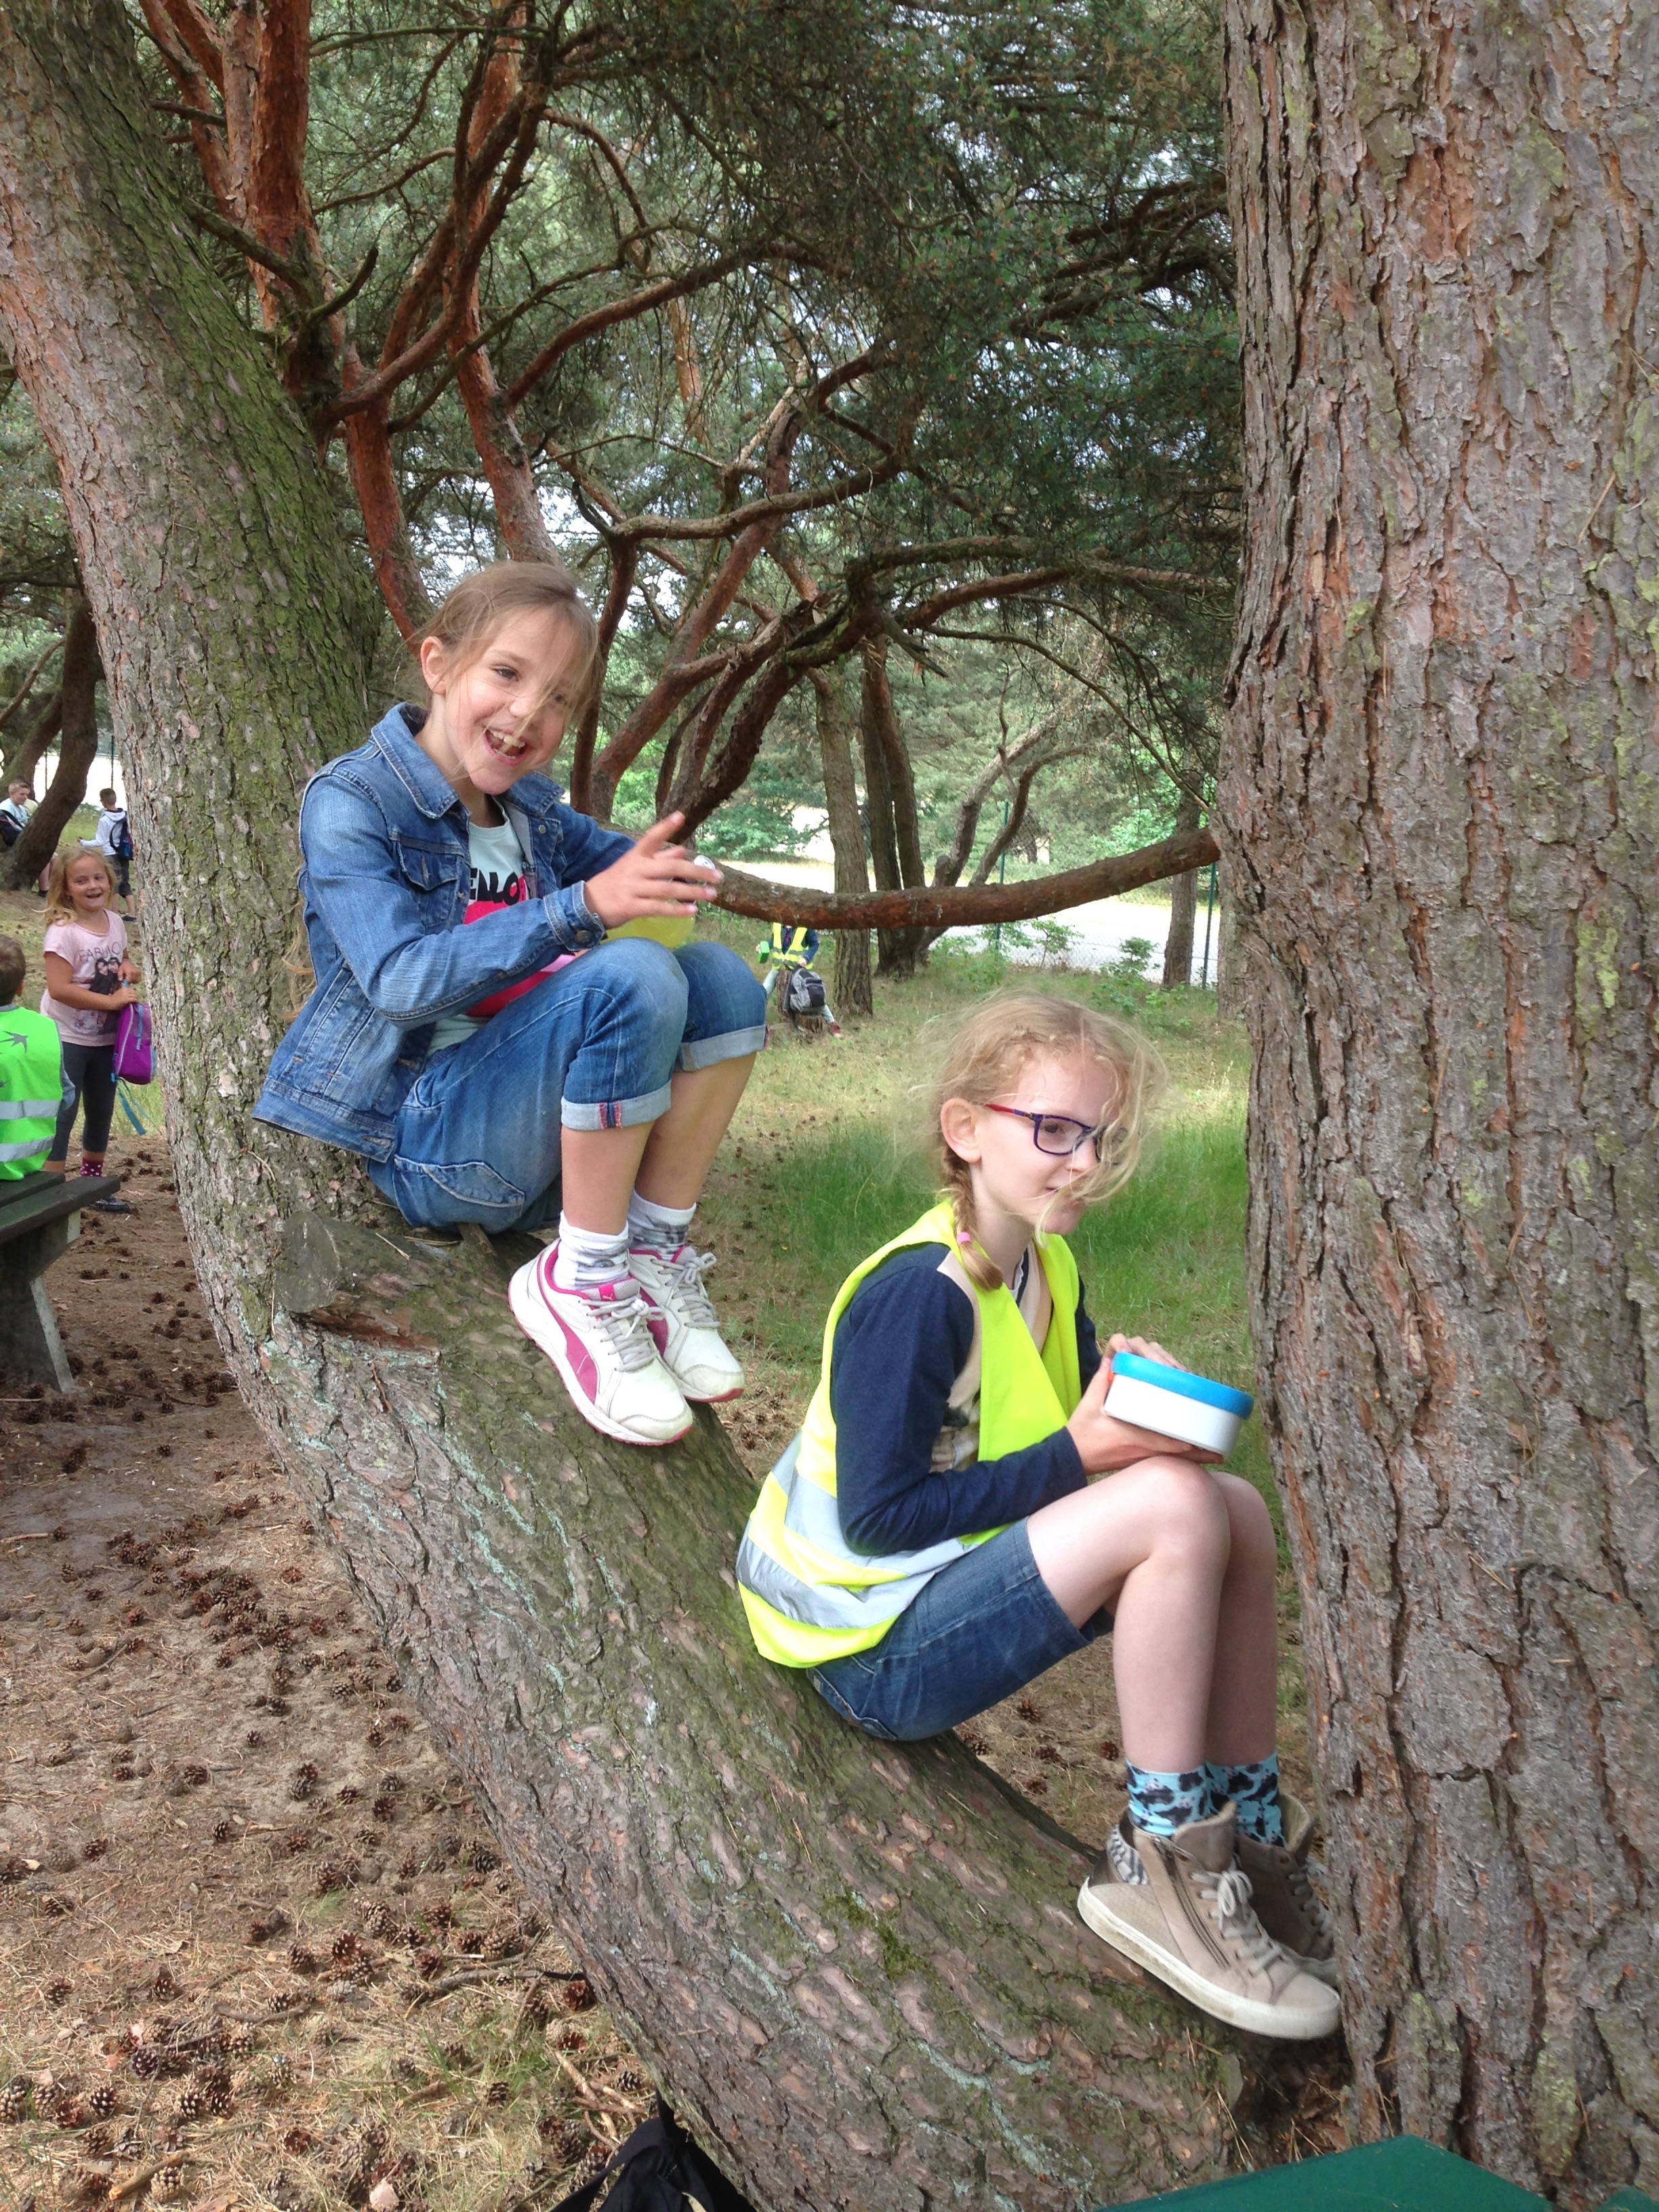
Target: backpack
(124,838)
(657,2169)
(803,994)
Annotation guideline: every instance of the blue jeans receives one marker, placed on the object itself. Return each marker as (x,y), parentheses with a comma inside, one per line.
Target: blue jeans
(982,1628)
(591,1047)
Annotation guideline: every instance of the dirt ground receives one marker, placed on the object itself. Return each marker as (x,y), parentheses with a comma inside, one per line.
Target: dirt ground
(256,1949)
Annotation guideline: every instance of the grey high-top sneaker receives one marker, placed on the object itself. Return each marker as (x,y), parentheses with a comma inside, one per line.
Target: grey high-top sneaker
(1191,1923)
(1284,1897)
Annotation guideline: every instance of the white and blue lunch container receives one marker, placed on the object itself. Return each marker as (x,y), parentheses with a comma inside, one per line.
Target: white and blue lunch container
(1173,1403)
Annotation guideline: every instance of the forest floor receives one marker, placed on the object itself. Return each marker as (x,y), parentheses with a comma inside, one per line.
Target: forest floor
(255,1950)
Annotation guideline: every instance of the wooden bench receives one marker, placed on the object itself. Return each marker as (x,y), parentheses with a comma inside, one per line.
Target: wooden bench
(40,1219)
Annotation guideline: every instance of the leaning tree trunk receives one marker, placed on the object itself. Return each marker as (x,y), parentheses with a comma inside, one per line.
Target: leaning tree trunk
(857,1968)
(1440,813)
(1183,905)
(890,788)
(77,749)
(853,992)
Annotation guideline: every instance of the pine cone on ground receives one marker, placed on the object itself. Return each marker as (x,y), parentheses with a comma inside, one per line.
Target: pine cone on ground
(15,2099)
(191,2104)
(167,2182)
(102,2102)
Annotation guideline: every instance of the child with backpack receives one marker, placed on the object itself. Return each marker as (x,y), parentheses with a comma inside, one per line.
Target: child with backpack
(114,838)
(960,1513)
(482,1070)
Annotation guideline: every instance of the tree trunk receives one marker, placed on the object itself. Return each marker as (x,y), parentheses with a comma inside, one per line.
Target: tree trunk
(856,1967)
(77,749)
(20,766)
(1439,816)
(1183,905)
(894,838)
(851,993)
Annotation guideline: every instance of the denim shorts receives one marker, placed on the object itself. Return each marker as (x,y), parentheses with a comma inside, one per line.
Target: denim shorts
(594,1047)
(982,1628)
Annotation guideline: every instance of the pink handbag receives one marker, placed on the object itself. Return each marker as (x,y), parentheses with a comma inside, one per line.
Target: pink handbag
(135,1034)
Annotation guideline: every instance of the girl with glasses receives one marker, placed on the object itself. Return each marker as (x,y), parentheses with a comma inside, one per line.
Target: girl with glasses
(960,1513)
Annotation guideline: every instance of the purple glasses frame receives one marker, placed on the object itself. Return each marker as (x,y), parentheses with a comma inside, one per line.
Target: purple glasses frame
(1086,1132)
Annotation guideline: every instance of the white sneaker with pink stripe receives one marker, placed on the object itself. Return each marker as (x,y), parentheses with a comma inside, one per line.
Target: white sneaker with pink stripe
(601,1342)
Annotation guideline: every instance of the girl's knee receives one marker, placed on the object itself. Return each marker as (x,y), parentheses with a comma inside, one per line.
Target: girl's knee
(1193,1506)
(1249,1519)
(725,993)
(639,973)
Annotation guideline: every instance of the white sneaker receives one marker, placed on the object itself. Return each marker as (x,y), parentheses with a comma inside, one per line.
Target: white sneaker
(683,1324)
(602,1346)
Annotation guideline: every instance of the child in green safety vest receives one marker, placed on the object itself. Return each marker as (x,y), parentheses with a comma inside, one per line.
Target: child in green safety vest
(32,1086)
(960,1513)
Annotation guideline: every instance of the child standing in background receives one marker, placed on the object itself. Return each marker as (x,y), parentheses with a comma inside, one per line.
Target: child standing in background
(89,980)
(114,840)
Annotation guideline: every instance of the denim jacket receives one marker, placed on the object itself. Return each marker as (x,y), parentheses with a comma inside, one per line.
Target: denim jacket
(386,879)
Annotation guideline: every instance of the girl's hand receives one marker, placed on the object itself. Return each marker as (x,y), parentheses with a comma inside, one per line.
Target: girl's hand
(656,877)
(127,997)
(1104,1443)
(127,972)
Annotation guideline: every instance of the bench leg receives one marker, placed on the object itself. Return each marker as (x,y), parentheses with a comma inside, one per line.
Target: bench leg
(30,1346)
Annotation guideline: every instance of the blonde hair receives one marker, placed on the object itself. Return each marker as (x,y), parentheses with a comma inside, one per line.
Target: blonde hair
(985,1055)
(481,604)
(59,905)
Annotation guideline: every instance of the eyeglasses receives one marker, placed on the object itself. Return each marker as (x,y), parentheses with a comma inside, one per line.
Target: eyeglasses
(1058,1134)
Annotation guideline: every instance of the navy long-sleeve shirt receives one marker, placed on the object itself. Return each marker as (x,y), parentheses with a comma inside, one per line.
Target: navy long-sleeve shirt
(900,1347)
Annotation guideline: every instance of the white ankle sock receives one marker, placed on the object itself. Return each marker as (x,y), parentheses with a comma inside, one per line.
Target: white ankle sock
(588,1257)
(657,1228)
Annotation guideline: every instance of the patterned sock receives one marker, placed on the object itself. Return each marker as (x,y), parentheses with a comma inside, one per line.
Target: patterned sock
(588,1258)
(657,1228)
(1161,1803)
(1254,1789)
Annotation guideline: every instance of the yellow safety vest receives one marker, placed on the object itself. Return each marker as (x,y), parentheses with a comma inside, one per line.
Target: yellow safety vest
(810,1598)
(790,953)
(31,1090)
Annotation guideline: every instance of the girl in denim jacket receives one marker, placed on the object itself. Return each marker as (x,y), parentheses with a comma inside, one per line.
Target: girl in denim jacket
(454,1040)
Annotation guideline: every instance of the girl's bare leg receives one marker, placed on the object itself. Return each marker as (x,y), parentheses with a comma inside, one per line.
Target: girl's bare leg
(684,1143)
(1153,1543)
(1244,1712)
(666,1160)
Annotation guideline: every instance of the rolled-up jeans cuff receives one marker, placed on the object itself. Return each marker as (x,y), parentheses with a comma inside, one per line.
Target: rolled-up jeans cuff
(616,1113)
(706,1052)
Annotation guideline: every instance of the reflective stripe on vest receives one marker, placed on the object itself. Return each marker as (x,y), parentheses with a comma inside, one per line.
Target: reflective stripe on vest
(794,954)
(809,1596)
(31,1067)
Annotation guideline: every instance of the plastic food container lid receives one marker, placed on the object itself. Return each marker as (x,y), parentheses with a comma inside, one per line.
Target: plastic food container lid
(1176,1379)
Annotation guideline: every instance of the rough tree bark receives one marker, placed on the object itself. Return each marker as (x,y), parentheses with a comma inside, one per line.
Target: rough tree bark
(858,1969)
(890,793)
(1183,905)
(851,990)
(1441,807)
(38,735)
(77,748)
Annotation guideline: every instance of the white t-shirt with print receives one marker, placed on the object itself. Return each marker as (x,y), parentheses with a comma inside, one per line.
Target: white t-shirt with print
(495,858)
(94,964)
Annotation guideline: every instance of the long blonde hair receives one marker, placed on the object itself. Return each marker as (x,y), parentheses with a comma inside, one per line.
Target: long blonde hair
(60,906)
(985,1055)
(481,604)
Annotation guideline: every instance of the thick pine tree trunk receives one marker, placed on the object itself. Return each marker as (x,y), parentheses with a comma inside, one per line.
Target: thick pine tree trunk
(895,837)
(856,1968)
(1440,815)
(851,990)
(77,749)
